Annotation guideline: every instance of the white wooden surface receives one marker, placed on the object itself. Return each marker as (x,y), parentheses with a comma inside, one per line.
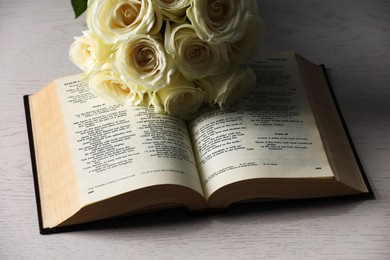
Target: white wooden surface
(352,38)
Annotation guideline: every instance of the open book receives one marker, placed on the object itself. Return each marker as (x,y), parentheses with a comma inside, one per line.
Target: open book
(283,140)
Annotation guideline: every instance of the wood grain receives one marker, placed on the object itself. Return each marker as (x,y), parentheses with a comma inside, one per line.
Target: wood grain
(351,37)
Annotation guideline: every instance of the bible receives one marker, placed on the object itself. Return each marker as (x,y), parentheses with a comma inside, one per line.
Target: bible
(284,140)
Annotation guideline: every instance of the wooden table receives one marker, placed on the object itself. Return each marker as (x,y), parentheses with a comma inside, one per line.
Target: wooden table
(351,37)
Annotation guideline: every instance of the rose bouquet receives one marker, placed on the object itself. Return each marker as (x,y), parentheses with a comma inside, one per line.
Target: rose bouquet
(173,55)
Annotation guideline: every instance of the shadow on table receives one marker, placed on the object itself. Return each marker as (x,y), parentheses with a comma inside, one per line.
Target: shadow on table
(266,210)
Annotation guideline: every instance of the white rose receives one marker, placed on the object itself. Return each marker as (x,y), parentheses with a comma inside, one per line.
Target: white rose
(221,20)
(88,52)
(142,60)
(225,89)
(194,57)
(173,10)
(106,85)
(250,43)
(115,20)
(181,98)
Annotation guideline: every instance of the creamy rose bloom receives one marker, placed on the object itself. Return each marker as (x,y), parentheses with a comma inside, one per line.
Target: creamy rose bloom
(142,60)
(250,43)
(88,53)
(225,89)
(106,85)
(221,20)
(194,57)
(181,98)
(115,20)
(173,10)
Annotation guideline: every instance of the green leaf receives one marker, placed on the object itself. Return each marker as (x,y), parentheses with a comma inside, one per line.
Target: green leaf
(79,7)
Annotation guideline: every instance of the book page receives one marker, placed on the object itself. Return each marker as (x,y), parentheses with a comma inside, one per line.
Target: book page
(270,133)
(116,149)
